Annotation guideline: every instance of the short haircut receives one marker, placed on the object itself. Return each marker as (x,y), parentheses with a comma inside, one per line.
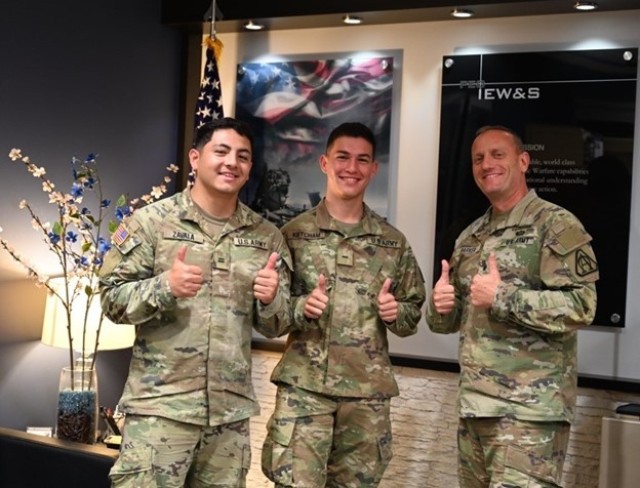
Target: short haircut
(204,133)
(516,137)
(353,129)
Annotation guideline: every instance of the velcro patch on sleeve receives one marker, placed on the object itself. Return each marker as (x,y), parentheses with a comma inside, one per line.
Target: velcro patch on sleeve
(120,235)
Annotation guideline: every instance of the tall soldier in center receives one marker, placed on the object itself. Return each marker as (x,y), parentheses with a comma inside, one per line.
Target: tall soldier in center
(355,276)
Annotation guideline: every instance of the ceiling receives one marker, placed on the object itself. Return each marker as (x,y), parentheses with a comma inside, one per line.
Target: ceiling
(298,14)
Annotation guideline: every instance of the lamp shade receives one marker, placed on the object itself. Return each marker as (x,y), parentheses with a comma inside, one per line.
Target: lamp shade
(54,327)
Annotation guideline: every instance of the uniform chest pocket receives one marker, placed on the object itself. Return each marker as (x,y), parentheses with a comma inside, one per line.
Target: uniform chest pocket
(365,268)
(245,262)
(518,254)
(235,267)
(310,260)
(196,255)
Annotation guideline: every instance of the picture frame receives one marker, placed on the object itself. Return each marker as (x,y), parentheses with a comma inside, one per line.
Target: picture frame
(293,102)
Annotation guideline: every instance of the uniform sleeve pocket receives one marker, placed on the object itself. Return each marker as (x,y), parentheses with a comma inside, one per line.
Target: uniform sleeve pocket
(567,239)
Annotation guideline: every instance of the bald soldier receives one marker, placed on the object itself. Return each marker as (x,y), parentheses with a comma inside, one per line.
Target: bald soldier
(195,272)
(520,283)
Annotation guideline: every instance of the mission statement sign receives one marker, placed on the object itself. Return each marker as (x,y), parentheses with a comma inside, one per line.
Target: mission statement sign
(576,113)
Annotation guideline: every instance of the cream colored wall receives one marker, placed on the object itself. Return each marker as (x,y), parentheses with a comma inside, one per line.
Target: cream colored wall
(602,352)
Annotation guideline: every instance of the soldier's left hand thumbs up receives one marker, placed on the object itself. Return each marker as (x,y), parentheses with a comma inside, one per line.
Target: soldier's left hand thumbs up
(387,304)
(485,286)
(265,284)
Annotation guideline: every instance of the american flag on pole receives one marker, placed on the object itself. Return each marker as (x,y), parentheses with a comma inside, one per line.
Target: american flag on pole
(209,103)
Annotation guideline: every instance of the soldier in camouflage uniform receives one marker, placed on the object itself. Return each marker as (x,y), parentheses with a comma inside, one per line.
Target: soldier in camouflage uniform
(195,272)
(355,277)
(519,284)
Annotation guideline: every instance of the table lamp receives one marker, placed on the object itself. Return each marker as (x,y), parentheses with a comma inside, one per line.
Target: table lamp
(54,326)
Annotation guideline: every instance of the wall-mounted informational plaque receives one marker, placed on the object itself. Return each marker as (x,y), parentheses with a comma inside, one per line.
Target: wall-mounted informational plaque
(575,111)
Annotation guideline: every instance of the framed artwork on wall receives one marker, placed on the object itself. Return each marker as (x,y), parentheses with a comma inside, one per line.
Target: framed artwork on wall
(293,103)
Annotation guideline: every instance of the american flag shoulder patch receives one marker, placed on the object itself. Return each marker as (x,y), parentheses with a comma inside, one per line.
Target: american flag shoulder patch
(120,235)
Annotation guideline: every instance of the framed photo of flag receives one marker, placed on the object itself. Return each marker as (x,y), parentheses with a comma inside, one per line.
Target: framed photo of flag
(293,104)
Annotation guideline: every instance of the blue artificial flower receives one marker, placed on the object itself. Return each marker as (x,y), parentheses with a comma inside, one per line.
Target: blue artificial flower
(122,212)
(103,245)
(76,190)
(105,203)
(54,238)
(71,237)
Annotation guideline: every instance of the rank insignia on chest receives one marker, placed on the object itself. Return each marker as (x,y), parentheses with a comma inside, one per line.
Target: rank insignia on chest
(220,261)
(345,257)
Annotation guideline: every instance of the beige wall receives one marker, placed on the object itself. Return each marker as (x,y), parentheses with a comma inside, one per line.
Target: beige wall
(424,429)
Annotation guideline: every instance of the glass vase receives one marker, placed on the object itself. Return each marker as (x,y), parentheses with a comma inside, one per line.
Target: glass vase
(77,418)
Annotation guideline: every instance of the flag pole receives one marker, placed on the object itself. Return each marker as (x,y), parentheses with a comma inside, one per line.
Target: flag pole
(213,42)
(212,31)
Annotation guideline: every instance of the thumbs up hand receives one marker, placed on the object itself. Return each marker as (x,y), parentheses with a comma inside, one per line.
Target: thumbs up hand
(387,304)
(265,284)
(317,301)
(184,279)
(444,295)
(485,286)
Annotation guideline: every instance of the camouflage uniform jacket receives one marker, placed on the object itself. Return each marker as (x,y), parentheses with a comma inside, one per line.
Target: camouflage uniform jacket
(345,352)
(519,357)
(191,359)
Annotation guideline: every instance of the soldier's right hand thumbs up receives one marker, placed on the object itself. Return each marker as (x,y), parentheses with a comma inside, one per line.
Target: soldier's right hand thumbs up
(444,295)
(184,279)
(317,300)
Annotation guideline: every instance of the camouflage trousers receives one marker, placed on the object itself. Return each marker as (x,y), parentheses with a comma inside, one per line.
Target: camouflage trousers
(318,441)
(160,453)
(501,452)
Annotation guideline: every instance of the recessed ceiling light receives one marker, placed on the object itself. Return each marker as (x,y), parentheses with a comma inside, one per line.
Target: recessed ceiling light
(585,6)
(352,19)
(462,13)
(251,25)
